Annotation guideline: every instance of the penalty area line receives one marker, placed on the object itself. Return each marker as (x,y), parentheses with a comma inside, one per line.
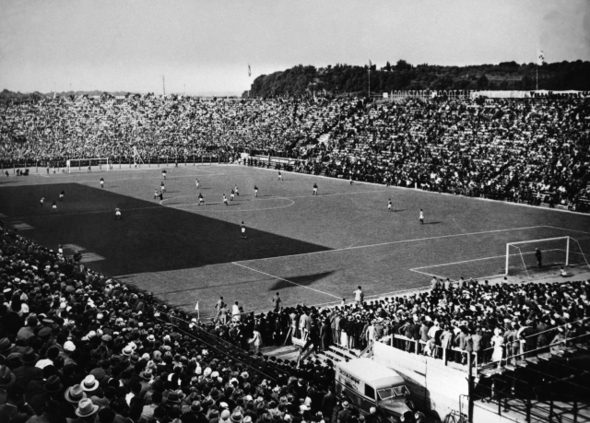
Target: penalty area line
(283,279)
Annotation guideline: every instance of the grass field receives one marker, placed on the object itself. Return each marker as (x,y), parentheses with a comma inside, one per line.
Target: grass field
(313,249)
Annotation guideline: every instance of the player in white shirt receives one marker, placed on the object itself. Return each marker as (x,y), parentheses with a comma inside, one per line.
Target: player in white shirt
(315,189)
(156,194)
(162,187)
(421,216)
(102,182)
(255,191)
(237,191)
(164,173)
(197,183)
(243,230)
(389,205)
(201,199)
(231,195)
(118,215)
(225,200)
(359,296)
(41,201)
(280,176)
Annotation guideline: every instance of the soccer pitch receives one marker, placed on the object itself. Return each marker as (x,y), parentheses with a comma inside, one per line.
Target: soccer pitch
(313,249)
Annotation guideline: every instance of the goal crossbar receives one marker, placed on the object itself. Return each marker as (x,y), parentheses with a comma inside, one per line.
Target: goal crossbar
(561,251)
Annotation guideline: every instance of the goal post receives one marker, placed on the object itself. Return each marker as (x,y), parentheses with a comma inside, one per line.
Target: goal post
(538,256)
(87,163)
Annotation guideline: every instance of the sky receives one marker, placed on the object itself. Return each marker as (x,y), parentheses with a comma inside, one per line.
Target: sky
(203,47)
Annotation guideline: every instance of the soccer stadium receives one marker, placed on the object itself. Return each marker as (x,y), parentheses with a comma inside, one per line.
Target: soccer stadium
(302,252)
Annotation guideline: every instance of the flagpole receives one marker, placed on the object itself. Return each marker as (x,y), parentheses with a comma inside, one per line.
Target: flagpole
(537,77)
(369,81)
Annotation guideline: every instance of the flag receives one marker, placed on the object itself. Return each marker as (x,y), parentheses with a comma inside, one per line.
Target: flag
(197,306)
(249,70)
(540,57)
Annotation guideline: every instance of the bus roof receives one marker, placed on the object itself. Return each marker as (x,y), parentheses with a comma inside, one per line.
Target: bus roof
(371,372)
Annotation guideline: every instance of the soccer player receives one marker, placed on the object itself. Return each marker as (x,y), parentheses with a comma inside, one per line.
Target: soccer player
(389,205)
(237,191)
(201,199)
(62,194)
(118,215)
(41,201)
(255,191)
(243,230)
(231,195)
(54,206)
(539,257)
(197,183)
(156,194)
(102,182)
(280,176)
(421,216)
(350,180)
(164,173)
(161,195)
(162,187)
(315,189)
(225,200)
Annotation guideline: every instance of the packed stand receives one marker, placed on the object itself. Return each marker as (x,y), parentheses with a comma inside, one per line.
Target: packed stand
(77,346)
(532,151)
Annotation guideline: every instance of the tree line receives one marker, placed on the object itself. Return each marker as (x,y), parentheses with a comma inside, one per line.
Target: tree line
(347,79)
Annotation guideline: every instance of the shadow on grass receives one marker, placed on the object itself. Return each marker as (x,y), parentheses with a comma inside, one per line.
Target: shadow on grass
(150,238)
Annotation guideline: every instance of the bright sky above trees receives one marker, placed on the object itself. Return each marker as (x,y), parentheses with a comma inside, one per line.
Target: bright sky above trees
(204,46)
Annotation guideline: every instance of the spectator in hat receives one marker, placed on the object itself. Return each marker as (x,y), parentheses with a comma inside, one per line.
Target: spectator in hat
(194,414)
(345,413)
(27,371)
(28,331)
(7,379)
(15,409)
(86,410)
(5,347)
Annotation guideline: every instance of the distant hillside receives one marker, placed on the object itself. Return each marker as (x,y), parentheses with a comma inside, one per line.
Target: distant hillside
(341,78)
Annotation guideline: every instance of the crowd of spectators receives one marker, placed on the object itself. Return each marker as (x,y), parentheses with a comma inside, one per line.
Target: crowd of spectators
(496,322)
(523,150)
(77,346)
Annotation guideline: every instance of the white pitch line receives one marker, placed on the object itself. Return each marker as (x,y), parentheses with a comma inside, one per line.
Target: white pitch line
(567,230)
(460,262)
(403,241)
(283,279)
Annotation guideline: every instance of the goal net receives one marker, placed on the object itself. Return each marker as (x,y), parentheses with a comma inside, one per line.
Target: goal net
(544,256)
(102,163)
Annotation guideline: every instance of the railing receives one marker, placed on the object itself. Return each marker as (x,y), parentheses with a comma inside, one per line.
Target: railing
(520,345)
(432,350)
